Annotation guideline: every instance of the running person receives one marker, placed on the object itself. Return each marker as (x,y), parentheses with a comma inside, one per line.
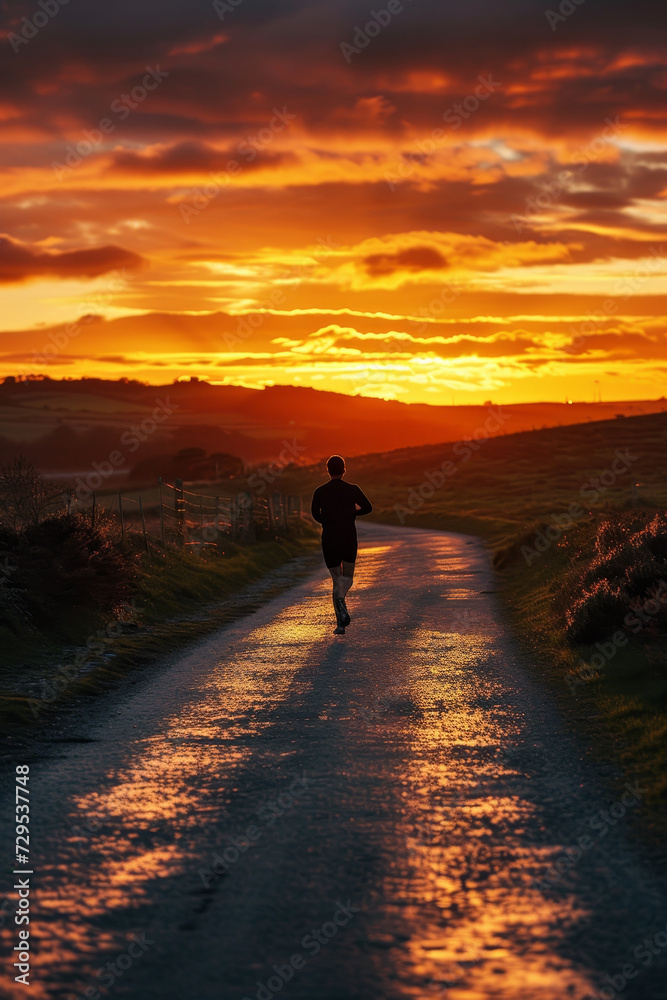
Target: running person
(336,505)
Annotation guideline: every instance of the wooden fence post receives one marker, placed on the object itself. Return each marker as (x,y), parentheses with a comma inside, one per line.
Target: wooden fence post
(277,512)
(161,515)
(246,523)
(271,501)
(179,507)
(250,516)
(233,516)
(122,522)
(143,525)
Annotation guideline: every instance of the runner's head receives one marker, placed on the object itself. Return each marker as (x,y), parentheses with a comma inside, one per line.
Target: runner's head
(336,466)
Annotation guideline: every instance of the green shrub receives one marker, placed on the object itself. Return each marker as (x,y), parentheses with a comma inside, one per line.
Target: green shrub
(63,566)
(610,535)
(643,575)
(598,612)
(654,537)
(627,568)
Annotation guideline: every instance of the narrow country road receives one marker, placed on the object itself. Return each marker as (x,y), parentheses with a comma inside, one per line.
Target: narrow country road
(367,817)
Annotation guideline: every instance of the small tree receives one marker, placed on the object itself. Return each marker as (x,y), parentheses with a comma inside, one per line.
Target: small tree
(25,496)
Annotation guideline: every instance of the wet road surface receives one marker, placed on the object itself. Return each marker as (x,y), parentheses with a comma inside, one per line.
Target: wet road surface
(395,813)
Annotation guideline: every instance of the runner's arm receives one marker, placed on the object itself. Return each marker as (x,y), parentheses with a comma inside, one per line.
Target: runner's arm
(364,504)
(315,509)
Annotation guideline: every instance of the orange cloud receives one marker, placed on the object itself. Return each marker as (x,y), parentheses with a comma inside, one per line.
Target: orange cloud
(364,210)
(19,261)
(412,259)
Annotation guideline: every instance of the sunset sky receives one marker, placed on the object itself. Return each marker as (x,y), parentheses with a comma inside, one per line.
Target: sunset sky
(464,202)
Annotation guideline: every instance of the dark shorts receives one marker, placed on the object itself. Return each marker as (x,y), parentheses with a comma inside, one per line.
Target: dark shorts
(338,547)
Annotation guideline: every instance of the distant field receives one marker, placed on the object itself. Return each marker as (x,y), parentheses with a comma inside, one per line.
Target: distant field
(503,485)
(80,403)
(499,487)
(71,424)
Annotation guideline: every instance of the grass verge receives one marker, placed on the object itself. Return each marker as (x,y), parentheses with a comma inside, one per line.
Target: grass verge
(609,669)
(612,689)
(178,598)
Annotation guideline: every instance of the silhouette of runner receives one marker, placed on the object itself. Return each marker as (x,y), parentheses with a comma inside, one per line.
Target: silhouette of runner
(336,505)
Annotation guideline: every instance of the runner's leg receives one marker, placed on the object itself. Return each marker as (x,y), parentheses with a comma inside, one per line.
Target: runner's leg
(336,578)
(346,578)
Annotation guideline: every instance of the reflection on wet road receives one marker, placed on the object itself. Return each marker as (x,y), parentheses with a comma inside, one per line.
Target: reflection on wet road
(368,816)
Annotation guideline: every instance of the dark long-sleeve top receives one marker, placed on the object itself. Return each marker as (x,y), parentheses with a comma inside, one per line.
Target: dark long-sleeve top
(335,504)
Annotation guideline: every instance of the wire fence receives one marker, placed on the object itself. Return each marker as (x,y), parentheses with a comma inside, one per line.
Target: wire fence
(172,515)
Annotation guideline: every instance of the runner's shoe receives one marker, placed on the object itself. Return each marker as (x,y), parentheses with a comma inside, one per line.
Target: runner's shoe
(340,630)
(342,614)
